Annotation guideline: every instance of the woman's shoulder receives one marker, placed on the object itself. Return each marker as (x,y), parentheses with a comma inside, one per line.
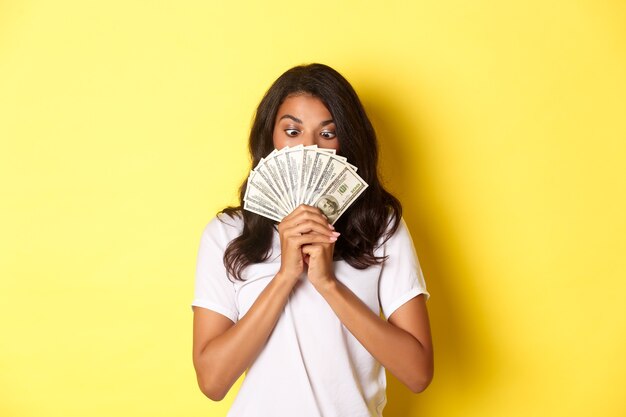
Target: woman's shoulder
(230,218)
(225,225)
(395,225)
(396,230)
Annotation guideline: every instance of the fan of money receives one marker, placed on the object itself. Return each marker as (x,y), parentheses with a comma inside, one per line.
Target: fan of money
(301,174)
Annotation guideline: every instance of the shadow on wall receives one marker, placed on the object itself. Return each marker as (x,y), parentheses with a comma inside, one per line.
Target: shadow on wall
(461,366)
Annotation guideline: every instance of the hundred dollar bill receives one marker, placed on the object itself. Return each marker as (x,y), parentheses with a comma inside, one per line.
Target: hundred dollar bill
(258,193)
(326,150)
(277,170)
(293,157)
(333,167)
(263,179)
(309,156)
(307,160)
(340,194)
(257,181)
(332,151)
(343,158)
(261,211)
(292,176)
(269,171)
(323,150)
(319,161)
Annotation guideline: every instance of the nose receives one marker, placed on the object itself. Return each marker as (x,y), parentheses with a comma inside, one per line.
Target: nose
(308,139)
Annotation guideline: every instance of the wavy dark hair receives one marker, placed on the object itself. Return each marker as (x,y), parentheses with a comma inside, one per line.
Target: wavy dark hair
(375,214)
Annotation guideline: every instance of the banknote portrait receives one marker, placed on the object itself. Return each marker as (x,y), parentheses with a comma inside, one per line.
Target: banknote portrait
(329,206)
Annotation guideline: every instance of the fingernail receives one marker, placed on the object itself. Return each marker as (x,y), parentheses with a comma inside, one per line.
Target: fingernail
(333,239)
(331,226)
(336,234)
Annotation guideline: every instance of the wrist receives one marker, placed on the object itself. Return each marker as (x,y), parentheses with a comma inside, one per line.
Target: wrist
(284,277)
(326,286)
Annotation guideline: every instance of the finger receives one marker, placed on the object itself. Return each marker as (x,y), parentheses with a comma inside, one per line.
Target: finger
(307,213)
(309,250)
(310,238)
(335,234)
(315,249)
(302,209)
(309,226)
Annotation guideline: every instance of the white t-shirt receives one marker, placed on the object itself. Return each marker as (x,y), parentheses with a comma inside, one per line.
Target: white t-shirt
(311,364)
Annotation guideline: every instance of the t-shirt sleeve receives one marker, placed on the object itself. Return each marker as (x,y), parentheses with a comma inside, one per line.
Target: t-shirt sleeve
(401,276)
(213,289)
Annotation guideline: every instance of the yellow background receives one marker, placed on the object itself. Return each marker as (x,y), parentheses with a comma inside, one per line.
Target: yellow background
(123,128)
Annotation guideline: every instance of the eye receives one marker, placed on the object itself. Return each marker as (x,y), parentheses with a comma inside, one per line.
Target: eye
(328,134)
(292,132)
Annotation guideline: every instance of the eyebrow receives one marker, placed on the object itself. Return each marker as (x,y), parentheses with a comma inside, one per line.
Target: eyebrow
(295,119)
(288,116)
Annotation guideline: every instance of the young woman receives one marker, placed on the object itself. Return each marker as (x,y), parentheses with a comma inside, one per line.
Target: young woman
(297,304)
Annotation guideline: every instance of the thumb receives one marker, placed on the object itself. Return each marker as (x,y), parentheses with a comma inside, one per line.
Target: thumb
(305,254)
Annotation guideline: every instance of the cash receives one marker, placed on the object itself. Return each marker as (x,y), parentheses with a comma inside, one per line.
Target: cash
(296,175)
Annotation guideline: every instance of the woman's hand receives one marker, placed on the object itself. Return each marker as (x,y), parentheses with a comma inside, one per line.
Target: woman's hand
(319,257)
(300,232)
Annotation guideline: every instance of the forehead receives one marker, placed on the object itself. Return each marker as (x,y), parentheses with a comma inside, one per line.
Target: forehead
(304,106)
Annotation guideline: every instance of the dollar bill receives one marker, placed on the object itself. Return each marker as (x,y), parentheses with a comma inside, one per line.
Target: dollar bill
(328,173)
(263,179)
(273,173)
(307,160)
(291,176)
(259,193)
(340,194)
(293,158)
(320,159)
(261,211)
(277,166)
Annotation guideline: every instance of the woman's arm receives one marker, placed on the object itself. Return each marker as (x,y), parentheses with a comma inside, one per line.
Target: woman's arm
(223,350)
(402,344)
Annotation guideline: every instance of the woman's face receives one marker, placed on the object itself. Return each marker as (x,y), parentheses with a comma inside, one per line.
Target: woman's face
(303,119)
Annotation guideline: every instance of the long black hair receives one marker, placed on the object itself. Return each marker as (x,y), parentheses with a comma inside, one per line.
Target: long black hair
(375,214)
